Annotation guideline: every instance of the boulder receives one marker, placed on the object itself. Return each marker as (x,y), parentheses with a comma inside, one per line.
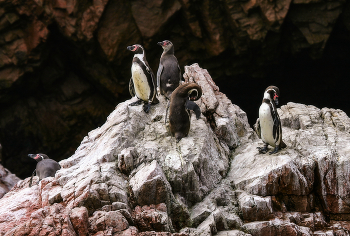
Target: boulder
(7,180)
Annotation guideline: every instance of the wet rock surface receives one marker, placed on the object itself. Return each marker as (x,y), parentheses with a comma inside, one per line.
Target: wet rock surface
(204,185)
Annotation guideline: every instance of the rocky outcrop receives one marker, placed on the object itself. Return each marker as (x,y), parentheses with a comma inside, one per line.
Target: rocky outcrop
(64,65)
(129,176)
(7,180)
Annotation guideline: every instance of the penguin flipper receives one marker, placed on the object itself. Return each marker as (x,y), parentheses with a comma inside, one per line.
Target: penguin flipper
(166,112)
(257,128)
(31,178)
(180,75)
(190,105)
(159,72)
(131,88)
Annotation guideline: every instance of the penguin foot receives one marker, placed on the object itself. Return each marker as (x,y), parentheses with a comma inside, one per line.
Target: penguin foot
(146,107)
(275,150)
(262,150)
(136,103)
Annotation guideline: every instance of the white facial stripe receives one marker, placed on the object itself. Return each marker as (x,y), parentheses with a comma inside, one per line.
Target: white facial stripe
(267,95)
(193,90)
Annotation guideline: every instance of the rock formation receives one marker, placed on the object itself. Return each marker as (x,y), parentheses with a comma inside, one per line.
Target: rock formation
(64,64)
(128,177)
(7,180)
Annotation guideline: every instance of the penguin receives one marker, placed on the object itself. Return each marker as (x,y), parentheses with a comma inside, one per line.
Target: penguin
(169,72)
(181,102)
(45,167)
(142,79)
(268,126)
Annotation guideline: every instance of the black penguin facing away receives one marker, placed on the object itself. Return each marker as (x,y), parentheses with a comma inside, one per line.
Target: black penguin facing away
(180,103)
(142,79)
(45,167)
(268,125)
(169,72)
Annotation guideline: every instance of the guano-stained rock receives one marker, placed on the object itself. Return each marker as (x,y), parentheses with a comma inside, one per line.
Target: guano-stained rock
(212,182)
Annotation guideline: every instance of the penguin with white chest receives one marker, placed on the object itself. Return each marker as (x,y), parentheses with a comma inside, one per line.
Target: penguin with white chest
(268,126)
(142,79)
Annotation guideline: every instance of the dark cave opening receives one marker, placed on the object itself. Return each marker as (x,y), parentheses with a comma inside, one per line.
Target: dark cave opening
(301,79)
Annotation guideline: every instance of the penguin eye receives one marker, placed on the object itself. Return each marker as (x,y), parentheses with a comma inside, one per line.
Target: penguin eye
(135,48)
(274,97)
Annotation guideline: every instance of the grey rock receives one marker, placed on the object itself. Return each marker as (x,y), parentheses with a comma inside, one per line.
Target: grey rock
(150,185)
(112,221)
(255,208)
(126,160)
(7,179)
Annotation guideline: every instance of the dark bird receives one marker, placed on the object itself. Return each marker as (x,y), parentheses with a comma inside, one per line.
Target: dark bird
(181,102)
(268,126)
(169,72)
(142,79)
(45,167)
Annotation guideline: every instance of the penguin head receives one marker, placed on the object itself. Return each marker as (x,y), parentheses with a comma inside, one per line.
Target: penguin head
(38,157)
(272,93)
(136,49)
(193,94)
(167,45)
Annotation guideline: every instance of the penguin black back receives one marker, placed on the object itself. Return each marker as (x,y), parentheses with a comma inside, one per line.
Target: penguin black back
(179,117)
(45,167)
(169,72)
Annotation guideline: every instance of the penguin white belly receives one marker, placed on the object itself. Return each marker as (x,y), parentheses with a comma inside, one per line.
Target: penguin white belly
(142,88)
(266,124)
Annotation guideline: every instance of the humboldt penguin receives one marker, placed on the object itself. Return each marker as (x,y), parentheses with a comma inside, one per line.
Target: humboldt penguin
(45,166)
(268,126)
(181,102)
(142,79)
(169,72)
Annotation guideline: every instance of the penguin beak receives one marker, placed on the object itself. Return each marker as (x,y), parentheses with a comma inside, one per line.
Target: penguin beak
(160,43)
(31,155)
(132,48)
